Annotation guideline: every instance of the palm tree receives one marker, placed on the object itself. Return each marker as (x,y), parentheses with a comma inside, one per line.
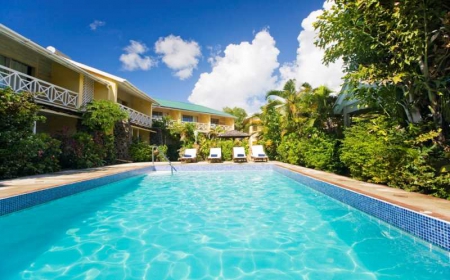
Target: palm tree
(289,97)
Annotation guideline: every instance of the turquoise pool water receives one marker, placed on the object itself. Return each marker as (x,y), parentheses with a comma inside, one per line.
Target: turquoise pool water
(208,225)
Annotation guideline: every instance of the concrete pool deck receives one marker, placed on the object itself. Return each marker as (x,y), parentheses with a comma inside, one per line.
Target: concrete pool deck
(427,205)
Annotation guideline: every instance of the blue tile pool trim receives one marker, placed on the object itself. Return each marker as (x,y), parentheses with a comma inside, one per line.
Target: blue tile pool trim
(428,228)
(217,167)
(20,202)
(23,201)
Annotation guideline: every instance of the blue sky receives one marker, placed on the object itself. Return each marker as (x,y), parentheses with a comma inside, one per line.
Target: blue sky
(201,26)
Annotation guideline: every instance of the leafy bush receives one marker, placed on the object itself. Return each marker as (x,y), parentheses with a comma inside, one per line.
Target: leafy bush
(33,154)
(21,152)
(374,150)
(383,152)
(142,151)
(319,151)
(18,113)
(227,148)
(81,151)
(289,150)
(101,115)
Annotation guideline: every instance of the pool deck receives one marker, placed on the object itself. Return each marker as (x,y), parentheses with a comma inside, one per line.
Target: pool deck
(427,205)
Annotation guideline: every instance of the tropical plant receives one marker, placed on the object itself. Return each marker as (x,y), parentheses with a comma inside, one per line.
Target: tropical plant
(240,115)
(395,53)
(270,135)
(101,115)
(288,99)
(22,152)
(185,132)
(381,151)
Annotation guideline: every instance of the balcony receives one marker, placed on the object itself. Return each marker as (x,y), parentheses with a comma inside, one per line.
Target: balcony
(44,92)
(200,126)
(224,127)
(136,117)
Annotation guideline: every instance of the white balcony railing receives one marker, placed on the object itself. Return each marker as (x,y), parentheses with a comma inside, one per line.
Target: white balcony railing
(43,91)
(200,126)
(137,118)
(224,127)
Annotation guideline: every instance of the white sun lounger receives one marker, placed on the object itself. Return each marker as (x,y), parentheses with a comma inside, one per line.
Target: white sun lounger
(190,155)
(258,153)
(239,154)
(215,154)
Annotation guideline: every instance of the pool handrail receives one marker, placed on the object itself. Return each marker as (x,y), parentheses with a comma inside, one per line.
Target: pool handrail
(154,147)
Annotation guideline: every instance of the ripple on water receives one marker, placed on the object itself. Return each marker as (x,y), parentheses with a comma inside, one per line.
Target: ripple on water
(214,225)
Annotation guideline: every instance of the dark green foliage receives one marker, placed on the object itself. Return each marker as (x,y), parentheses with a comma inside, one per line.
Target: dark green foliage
(381,151)
(21,152)
(18,113)
(240,115)
(399,48)
(289,150)
(142,151)
(320,151)
(29,155)
(80,150)
(102,115)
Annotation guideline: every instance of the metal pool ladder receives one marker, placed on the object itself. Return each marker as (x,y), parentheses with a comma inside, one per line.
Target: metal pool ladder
(154,147)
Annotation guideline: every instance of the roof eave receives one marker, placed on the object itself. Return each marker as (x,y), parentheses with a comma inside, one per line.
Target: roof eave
(37,48)
(186,110)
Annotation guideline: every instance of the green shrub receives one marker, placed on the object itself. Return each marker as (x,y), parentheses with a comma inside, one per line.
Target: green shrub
(21,152)
(33,154)
(102,115)
(227,149)
(289,150)
(18,113)
(319,151)
(142,151)
(81,151)
(374,150)
(381,151)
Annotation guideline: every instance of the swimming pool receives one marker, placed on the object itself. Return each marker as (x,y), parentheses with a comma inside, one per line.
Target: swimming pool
(207,225)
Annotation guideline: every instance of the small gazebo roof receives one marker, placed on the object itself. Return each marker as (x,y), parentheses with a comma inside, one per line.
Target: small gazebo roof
(233,134)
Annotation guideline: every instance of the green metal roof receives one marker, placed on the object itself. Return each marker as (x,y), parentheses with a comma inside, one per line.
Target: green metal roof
(190,107)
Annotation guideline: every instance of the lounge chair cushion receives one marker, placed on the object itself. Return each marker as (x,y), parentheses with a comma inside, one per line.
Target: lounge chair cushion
(187,156)
(261,155)
(213,155)
(240,155)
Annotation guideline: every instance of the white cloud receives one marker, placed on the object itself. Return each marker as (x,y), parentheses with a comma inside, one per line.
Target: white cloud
(134,58)
(96,24)
(308,66)
(240,77)
(179,55)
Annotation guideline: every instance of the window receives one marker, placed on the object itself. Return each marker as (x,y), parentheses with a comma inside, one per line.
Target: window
(120,101)
(157,115)
(3,60)
(214,121)
(16,65)
(187,118)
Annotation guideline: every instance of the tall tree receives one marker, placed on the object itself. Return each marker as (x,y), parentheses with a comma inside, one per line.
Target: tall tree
(289,96)
(240,115)
(399,49)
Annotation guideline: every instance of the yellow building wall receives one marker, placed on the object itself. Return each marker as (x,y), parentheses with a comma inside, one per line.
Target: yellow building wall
(111,91)
(42,66)
(65,77)
(142,106)
(100,91)
(204,119)
(173,114)
(143,135)
(56,123)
